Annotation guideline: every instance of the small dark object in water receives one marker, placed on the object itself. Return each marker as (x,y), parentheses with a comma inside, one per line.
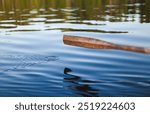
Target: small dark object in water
(66,70)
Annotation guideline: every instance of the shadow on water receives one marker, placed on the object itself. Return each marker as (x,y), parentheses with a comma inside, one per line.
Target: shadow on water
(79,85)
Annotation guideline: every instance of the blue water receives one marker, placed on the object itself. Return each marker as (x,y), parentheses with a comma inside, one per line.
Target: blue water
(34,61)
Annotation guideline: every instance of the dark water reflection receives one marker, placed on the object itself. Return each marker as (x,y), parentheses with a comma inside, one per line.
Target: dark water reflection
(34,61)
(80,86)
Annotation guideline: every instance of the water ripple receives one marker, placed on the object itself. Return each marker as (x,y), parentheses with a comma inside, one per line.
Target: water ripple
(34,61)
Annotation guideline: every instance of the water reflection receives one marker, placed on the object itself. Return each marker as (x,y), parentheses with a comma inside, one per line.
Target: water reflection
(32,31)
(42,14)
(79,85)
(22,11)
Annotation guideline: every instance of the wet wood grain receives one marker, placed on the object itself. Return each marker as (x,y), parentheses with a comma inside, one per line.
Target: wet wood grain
(100,44)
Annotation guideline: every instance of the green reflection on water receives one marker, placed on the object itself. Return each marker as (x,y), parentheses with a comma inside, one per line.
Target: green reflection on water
(21,12)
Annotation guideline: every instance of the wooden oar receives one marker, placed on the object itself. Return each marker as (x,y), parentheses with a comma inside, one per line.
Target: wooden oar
(100,44)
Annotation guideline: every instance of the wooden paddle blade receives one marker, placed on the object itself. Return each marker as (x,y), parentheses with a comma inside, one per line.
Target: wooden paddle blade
(100,44)
(87,42)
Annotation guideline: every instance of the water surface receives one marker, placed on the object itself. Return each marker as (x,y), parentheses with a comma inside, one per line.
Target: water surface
(34,61)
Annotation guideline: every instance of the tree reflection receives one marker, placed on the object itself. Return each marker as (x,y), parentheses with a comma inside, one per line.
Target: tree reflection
(105,10)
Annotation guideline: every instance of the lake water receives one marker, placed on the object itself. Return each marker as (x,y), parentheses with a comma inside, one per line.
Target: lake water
(34,61)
